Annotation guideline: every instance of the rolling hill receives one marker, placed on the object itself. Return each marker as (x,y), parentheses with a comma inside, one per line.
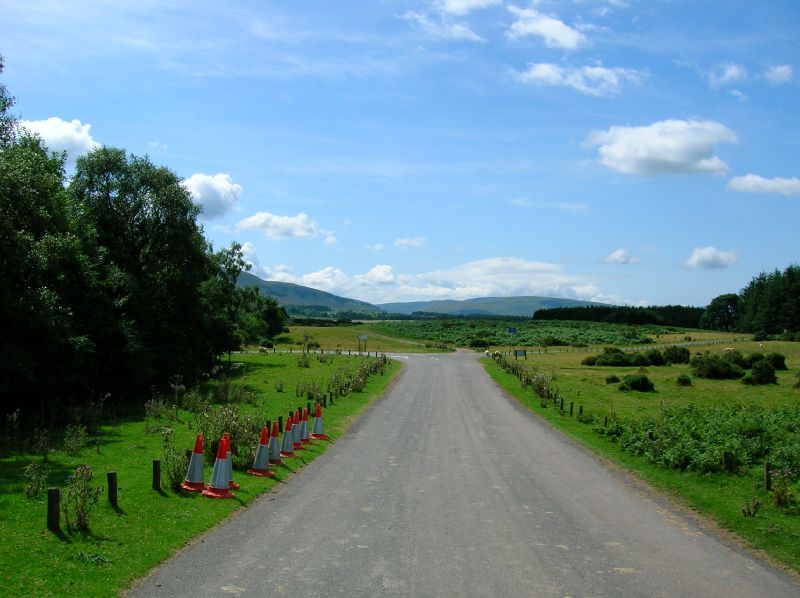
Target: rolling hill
(491,306)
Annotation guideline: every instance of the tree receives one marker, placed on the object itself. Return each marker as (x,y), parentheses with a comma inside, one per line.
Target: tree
(8,123)
(722,313)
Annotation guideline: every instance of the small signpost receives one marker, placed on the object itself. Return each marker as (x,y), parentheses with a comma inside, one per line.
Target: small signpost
(362,338)
(520,353)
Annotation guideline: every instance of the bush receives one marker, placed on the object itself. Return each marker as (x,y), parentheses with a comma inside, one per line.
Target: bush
(35,474)
(478,343)
(80,498)
(612,359)
(266,342)
(655,357)
(713,367)
(589,360)
(552,341)
(637,382)
(777,361)
(75,438)
(684,380)
(639,360)
(736,358)
(764,373)
(612,379)
(675,354)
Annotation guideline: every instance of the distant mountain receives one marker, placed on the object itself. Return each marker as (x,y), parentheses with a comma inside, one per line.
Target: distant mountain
(495,306)
(298,299)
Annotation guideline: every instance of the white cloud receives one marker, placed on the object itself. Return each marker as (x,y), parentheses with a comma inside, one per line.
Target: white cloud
(492,277)
(710,258)
(778,74)
(572,207)
(726,73)
(753,183)
(664,147)
(217,194)
(377,247)
(554,32)
(590,80)
(442,28)
(157,145)
(620,256)
(251,255)
(285,227)
(405,243)
(738,95)
(463,7)
(59,135)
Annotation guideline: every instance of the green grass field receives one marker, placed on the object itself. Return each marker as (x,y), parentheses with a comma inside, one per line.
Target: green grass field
(719,496)
(149,526)
(345,338)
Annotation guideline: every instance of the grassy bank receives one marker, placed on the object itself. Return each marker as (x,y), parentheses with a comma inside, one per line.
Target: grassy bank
(123,544)
(717,495)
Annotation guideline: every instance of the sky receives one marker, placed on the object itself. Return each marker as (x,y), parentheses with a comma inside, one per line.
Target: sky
(624,151)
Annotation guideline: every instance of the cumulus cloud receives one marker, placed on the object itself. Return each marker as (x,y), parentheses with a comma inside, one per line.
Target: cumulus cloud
(441,27)
(285,227)
(251,255)
(590,80)
(710,258)
(405,243)
(664,147)
(60,135)
(778,74)
(554,32)
(738,95)
(377,247)
(753,183)
(217,194)
(496,277)
(463,7)
(620,256)
(727,73)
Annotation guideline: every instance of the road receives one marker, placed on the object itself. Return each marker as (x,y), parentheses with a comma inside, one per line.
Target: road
(447,488)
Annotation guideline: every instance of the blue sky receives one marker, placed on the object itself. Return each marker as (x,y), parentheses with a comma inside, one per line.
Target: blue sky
(612,150)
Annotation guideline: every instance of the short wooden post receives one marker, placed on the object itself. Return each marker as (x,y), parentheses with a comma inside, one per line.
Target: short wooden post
(580,410)
(332,403)
(561,408)
(325,401)
(308,407)
(53,509)
(156,474)
(111,479)
(605,421)
(767,476)
(571,406)
(269,426)
(280,424)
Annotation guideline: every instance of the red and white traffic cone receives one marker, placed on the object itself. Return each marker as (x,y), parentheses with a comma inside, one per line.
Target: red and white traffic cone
(274,446)
(304,435)
(231,483)
(318,433)
(287,450)
(262,457)
(297,431)
(219,487)
(195,482)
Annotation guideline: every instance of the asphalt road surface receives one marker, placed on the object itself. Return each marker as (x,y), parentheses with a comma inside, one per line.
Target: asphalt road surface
(448,488)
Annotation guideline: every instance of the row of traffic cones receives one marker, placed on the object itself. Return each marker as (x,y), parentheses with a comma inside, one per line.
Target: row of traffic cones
(268,453)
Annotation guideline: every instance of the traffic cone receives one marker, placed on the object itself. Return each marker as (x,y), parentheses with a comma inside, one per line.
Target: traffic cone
(296,431)
(219,487)
(304,438)
(274,447)
(231,483)
(262,456)
(195,481)
(287,450)
(319,433)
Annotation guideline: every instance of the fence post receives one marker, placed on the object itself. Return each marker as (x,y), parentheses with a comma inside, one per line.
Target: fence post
(53,509)
(280,424)
(561,408)
(156,474)
(605,421)
(111,478)
(571,405)
(580,410)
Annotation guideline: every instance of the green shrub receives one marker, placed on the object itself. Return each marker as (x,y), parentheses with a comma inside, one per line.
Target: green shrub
(764,373)
(637,382)
(705,365)
(552,341)
(478,343)
(736,358)
(749,380)
(614,359)
(655,357)
(612,379)
(35,474)
(80,498)
(589,360)
(75,438)
(777,361)
(639,360)
(684,380)
(675,354)
(266,343)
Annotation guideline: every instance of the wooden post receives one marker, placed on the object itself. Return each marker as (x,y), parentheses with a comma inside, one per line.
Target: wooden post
(605,421)
(269,426)
(571,405)
(561,408)
(580,410)
(53,509)
(308,407)
(111,478)
(325,401)
(767,476)
(156,474)
(280,424)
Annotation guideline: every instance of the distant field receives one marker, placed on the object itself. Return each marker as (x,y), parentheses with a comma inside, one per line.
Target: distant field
(539,334)
(345,338)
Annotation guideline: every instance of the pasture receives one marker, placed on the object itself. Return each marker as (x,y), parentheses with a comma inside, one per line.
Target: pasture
(123,543)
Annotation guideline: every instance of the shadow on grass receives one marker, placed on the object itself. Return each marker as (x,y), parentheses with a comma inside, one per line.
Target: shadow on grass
(12,473)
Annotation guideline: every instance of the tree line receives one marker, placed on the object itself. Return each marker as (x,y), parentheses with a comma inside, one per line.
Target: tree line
(107,284)
(667,315)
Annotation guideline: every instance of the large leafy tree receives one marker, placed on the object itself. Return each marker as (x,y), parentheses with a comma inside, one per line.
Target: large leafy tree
(722,313)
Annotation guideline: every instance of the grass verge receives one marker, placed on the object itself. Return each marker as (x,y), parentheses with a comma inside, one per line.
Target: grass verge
(718,496)
(148,526)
